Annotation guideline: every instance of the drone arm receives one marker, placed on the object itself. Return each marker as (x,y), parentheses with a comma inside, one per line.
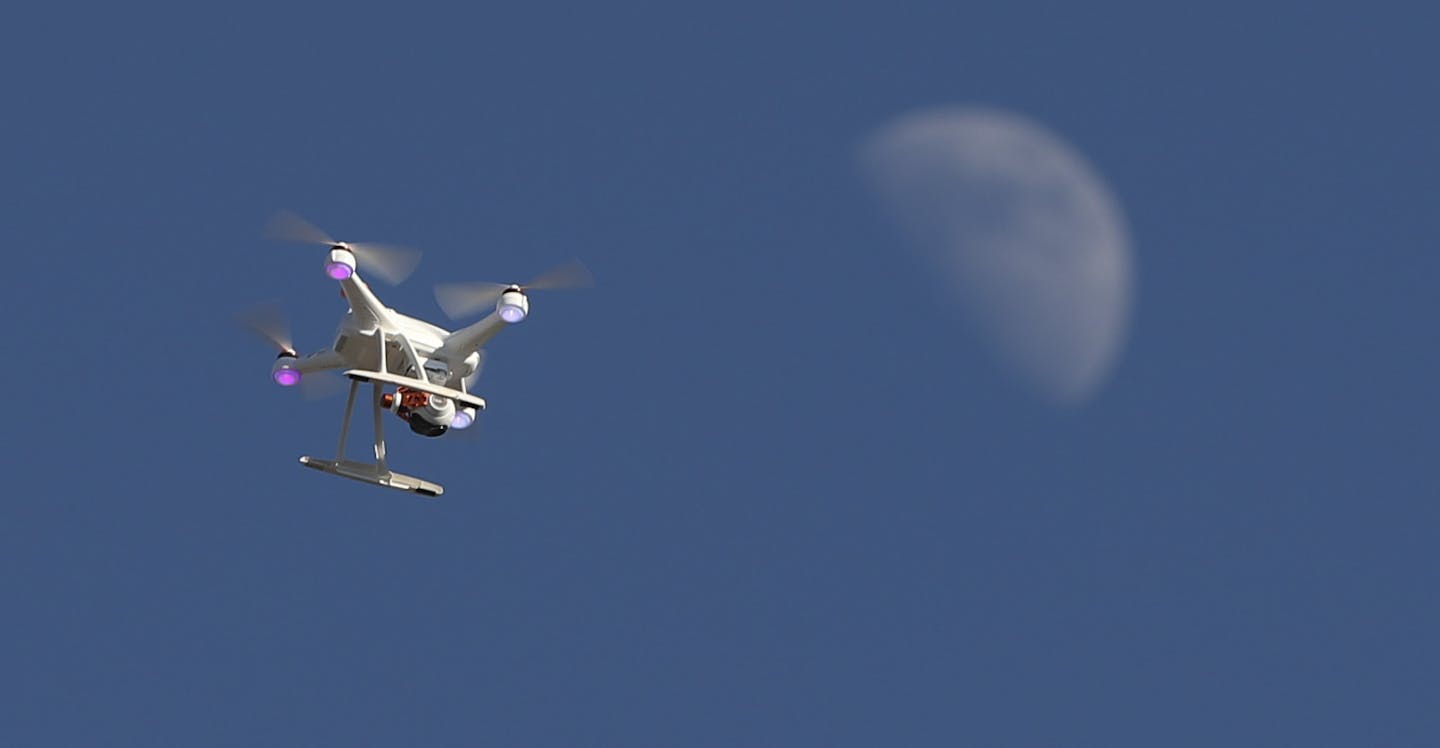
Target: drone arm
(326,360)
(467,340)
(366,307)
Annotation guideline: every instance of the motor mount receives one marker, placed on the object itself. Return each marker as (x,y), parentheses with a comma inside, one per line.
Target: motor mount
(513,306)
(340,263)
(464,418)
(286,370)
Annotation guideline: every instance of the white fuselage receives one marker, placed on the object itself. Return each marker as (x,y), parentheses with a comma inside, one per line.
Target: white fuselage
(413,347)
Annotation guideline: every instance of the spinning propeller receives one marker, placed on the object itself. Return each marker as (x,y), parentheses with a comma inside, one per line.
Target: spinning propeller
(464,299)
(390,263)
(268,321)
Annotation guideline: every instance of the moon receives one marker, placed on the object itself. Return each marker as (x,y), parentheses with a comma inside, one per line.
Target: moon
(1021,229)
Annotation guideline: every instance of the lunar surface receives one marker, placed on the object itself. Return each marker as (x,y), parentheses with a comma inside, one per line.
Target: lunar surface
(1021,230)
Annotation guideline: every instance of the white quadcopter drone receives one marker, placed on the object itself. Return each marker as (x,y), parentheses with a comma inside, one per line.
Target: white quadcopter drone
(430,368)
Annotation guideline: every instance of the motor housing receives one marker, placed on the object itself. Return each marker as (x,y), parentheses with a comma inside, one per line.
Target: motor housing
(286,369)
(513,306)
(340,263)
(464,418)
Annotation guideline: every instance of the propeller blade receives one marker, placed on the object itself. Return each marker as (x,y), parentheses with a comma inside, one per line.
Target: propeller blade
(289,227)
(268,320)
(389,263)
(464,299)
(572,274)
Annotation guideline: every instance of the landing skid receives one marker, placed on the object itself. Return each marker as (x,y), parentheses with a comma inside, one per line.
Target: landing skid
(376,473)
(368,473)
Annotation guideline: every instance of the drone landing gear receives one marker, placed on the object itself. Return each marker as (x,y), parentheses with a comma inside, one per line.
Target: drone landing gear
(366,473)
(377,473)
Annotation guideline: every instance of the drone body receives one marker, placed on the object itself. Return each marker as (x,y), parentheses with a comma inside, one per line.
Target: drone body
(430,368)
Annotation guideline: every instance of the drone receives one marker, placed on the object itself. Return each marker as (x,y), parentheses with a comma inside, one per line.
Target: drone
(420,372)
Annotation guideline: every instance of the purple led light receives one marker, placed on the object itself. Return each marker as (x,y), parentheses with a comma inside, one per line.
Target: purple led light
(462,420)
(338,270)
(286,377)
(511,313)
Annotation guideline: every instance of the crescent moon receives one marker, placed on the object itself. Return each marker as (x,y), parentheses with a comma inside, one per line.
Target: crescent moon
(1024,232)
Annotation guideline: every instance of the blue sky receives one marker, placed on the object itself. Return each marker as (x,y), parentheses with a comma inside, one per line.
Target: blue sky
(734,495)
